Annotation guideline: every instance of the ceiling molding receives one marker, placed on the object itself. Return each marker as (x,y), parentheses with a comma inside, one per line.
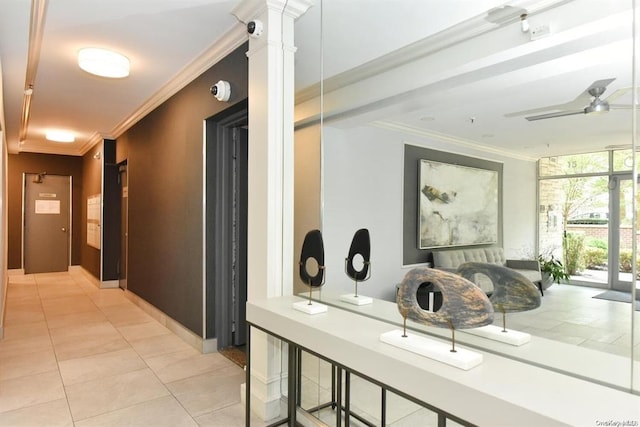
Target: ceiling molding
(48,149)
(449,139)
(459,33)
(214,54)
(36,34)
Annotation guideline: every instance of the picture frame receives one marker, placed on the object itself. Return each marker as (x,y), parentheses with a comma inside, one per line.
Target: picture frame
(457,205)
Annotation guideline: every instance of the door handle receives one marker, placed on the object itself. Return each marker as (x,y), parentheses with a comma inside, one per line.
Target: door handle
(64,230)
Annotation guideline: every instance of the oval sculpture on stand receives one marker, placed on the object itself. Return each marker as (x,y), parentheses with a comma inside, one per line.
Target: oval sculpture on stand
(360,245)
(464,305)
(312,247)
(512,292)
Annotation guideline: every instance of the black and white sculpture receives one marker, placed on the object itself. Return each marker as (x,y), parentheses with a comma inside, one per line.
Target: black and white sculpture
(464,306)
(359,252)
(512,292)
(312,258)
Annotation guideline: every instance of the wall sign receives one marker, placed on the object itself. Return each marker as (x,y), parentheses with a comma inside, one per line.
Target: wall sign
(93,221)
(48,207)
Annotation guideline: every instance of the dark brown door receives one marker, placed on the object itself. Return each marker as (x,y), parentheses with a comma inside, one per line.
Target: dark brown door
(46,223)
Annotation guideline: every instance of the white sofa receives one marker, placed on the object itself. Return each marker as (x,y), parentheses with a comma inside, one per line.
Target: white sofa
(450,260)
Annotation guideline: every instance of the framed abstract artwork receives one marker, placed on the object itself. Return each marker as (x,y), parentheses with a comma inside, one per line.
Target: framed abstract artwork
(458,205)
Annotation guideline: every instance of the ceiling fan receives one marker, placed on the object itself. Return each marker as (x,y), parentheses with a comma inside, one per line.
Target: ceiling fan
(590,97)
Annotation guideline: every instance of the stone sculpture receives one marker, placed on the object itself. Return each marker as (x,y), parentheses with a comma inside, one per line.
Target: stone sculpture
(512,292)
(464,305)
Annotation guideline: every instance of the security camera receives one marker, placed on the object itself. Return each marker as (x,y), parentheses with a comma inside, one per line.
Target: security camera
(254,28)
(221,90)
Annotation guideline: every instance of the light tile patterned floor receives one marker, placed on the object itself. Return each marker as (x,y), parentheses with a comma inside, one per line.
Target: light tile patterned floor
(75,355)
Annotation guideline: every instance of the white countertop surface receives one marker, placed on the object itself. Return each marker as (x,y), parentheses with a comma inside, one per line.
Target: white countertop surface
(598,366)
(499,392)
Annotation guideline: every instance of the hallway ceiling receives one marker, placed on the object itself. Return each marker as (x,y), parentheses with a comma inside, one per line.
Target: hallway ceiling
(165,42)
(475,101)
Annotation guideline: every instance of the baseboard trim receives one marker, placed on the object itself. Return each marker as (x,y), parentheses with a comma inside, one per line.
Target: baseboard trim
(265,410)
(109,284)
(183,333)
(101,284)
(16,272)
(210,345)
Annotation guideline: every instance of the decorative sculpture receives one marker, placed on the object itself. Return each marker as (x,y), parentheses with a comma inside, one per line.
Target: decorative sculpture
(512,292)
(360,246)
(312,248)
(464,305)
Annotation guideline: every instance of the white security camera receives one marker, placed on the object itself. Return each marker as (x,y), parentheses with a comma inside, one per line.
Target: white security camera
(221,90)
(254,28)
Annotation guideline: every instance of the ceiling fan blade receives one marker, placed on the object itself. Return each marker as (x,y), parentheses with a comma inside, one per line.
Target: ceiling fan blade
(617,94)
(579,102)
(600,83)
(621,106)
(552,115)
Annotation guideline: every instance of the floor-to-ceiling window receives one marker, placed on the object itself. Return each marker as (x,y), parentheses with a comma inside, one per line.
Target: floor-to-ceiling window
(585,216)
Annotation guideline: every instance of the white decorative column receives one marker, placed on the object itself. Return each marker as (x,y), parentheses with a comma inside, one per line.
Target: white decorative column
(270,186)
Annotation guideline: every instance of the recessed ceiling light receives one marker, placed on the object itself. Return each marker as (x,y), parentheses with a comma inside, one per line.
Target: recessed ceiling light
(103,62)
(60,136)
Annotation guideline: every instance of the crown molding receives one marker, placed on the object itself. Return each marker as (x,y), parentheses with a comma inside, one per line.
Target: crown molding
(449,139)
(211,56)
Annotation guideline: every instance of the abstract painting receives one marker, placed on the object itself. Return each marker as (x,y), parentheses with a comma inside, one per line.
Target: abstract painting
(458,205)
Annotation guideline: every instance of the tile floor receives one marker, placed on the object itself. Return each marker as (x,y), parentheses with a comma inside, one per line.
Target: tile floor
(75,355)
(570,314)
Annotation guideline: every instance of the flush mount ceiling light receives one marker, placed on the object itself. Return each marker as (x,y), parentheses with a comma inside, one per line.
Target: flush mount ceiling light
(60,136)
(103,62)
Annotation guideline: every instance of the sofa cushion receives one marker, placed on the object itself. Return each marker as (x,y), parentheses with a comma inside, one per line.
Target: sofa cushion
(453,258)
(494,255)
(450,260)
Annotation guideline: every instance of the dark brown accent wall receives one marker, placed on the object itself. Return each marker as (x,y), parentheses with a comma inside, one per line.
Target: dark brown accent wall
(92,185)
(18,164)
(164,153)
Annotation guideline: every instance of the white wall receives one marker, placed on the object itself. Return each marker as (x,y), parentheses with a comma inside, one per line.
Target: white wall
(363,185)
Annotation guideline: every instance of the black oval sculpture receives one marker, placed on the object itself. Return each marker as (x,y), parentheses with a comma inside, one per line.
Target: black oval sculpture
(464,305)
(312,247)
(512,292)
(360,245)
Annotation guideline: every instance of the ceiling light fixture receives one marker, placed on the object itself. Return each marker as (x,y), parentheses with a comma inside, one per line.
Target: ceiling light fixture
(103,62)
(60,136)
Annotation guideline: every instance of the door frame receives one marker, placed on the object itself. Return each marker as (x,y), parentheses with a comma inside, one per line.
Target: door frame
(614,233)
(24,213)
(123,259)
(219,311)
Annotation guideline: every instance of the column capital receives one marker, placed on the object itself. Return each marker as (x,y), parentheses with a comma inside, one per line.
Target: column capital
(249,9)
